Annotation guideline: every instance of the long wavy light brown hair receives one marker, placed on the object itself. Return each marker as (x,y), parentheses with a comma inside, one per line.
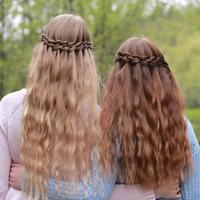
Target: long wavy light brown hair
(60,119)
(142,117)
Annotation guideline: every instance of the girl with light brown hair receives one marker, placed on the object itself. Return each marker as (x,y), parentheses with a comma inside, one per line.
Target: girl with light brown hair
(60,118)
(143,118)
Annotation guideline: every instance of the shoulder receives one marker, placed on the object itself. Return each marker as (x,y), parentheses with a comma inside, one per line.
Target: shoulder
(194,145)
(11,101)
(14,97)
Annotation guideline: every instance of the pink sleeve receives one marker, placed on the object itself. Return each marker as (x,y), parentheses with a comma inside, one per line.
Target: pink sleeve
(132,192)
(5,158)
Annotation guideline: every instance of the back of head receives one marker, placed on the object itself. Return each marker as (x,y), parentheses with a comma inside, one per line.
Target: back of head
(143,108)
(67,31)
(60,123)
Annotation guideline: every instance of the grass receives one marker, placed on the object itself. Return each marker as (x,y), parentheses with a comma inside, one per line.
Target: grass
(194,116)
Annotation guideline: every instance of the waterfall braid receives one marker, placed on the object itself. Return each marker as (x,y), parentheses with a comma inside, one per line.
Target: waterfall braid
(60,125)
(142,108)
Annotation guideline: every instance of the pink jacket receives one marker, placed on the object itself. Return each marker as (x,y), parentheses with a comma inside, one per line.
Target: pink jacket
(11,108)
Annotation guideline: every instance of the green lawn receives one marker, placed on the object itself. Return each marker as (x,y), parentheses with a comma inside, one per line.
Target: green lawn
(194,116)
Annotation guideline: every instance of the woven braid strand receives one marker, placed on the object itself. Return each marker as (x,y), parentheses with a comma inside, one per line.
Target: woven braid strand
(143,60)
(65,45)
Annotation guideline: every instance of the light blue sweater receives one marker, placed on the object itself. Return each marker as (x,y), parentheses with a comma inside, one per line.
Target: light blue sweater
(190,187)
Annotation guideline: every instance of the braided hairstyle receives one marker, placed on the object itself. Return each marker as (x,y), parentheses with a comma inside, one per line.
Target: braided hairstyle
(60,119)
(66,45)
(142,117)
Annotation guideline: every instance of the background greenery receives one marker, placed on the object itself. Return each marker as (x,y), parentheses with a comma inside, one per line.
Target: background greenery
(174,25)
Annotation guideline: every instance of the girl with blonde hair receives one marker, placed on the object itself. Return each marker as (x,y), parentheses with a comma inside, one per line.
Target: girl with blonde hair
(57,116)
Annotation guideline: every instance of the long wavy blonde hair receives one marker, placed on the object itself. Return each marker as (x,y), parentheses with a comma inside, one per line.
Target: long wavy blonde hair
(142,112)
(60,119)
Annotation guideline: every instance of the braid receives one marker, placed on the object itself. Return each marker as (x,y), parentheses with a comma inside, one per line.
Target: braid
(65,45)
(153,61)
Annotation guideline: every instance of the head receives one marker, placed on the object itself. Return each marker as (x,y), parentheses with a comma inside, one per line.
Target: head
(143,109)
(60,125)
